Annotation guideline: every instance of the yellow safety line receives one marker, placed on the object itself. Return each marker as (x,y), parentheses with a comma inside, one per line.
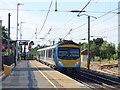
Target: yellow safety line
(70,78)
(44,75)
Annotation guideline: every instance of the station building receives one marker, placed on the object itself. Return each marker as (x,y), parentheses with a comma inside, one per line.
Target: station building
(84,55)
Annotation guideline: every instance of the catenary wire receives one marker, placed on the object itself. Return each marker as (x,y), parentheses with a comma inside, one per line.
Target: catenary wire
(46,17)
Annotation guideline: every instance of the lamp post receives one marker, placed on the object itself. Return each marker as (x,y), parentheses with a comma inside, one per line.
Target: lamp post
(17,19)
(16,46)
(21,37)
(88,65)
(21,29)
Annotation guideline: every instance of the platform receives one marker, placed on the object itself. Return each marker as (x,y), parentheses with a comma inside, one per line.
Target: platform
(33,74)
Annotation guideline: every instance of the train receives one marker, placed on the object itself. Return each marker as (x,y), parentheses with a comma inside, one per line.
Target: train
(64,56)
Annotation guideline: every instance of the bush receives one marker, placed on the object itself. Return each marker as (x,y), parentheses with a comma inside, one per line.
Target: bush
(96,58)
(115,56)
(105,59)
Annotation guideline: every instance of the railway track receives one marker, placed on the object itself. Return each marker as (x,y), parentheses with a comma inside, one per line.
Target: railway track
(109,66)
(111,71)
(94,80)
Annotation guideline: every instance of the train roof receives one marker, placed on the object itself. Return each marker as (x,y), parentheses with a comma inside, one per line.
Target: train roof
(65,42)
(47,48)
(69,42)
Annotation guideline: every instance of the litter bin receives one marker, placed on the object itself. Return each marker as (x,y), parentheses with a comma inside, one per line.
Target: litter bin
(7,69)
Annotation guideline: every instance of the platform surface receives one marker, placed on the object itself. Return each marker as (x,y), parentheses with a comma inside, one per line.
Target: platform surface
(33,74)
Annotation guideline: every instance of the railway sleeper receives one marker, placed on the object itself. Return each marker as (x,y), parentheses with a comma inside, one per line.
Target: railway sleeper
(98,82)
(110,78)
(101,79)
(90,79)
(87,79)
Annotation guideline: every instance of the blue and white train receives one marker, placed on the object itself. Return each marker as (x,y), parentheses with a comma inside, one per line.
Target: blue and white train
(66,55)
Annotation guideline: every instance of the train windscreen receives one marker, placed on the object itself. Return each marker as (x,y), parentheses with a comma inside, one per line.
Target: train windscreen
(68,53)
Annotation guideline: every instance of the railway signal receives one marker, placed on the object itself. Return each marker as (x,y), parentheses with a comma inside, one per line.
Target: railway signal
(30,47)
(31,43)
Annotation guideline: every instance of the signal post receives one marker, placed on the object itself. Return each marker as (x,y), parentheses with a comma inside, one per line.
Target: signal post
(30,46)
(29,49)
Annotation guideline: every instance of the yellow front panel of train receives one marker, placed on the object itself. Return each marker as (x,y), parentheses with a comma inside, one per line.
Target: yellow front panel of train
(69,62)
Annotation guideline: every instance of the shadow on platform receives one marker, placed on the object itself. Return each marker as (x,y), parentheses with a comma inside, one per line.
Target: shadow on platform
(32,69)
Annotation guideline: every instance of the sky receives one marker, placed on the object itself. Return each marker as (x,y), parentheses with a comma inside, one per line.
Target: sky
(33,14)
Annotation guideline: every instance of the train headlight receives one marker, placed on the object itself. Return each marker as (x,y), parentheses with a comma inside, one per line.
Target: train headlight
(76,63)
(61,63)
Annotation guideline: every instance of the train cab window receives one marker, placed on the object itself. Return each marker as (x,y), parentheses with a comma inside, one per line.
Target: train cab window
(68,53)
(63,53)
(74,52)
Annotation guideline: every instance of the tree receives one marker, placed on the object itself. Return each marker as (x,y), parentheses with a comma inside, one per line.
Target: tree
(80,43)
(98,41)
(103,50)
(110,50)
(5,40)
(115,56)
(95,49)
(84,46)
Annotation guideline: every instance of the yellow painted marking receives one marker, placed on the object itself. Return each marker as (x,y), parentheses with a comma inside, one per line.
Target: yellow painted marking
(70,78)
(44,75)
(69,45)
(65,62)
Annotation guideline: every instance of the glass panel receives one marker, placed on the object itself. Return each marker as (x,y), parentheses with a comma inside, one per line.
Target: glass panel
(50,53)
(68,53)
(74,52)
(63,53)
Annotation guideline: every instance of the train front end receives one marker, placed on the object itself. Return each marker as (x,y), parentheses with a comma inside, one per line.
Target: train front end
(68,55)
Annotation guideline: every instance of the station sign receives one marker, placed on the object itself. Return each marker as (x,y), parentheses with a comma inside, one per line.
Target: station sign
(23,43)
